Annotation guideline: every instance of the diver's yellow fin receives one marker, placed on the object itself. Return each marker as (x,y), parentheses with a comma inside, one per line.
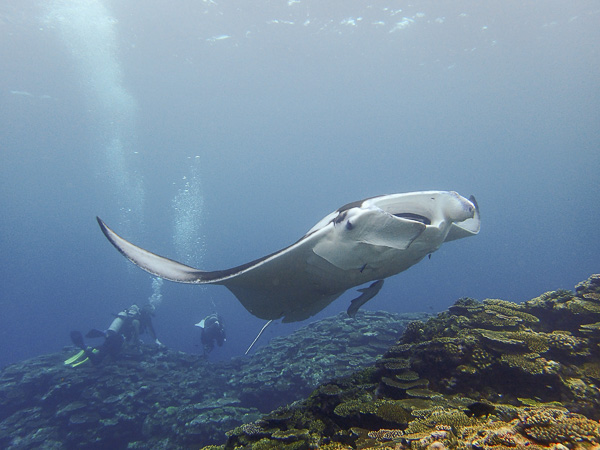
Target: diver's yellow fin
(75,357)
(75,360)
(78,363)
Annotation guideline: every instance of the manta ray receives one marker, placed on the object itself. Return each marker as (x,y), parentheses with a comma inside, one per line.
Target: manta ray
(360,242)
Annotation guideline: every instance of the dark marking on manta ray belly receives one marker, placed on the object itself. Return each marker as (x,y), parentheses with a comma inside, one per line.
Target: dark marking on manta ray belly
(363,267)
(349,226)
(356,204)
(340,217)
(415,217)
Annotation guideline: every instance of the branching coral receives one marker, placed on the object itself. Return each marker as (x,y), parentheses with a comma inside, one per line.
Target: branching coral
(385,435)
(548,425)
(393,411)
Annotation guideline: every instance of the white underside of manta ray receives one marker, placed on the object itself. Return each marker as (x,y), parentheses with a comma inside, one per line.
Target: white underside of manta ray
(360,242)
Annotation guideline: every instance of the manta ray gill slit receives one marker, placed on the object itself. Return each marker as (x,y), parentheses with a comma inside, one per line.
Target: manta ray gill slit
(415,217)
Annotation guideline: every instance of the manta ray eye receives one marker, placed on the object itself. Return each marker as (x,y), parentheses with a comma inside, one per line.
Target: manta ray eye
(415,217)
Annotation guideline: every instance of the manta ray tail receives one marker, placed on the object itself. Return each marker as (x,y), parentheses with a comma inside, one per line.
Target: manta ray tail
(258,335)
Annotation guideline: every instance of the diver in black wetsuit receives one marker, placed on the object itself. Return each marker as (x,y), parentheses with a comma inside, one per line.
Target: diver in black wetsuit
(213,331)
(140,323)
(129,323)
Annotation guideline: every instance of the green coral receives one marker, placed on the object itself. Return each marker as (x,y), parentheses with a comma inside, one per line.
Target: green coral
(330,389)
(387,410)
(422,393)
(421,413)
(170,410)
(589,286)
(467,369)
(564,340)
(580,389)
(440,416)
(394,364)
(590,328)
(592,370)
(403,385)
(548,425)
(291,435)
(501,340)
(393,411)
(355,408)
(481,358)
(384,434)
(509,309)
(415,404)
(593,296)
(397,351)
(536,342)
(454,349)
(529,363)
(495,320)
(465,306)
(551,297)
(583,306)
(533,402)
(407,375)
(268,444)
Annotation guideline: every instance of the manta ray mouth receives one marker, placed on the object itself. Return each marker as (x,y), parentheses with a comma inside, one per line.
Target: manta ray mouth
(414,217)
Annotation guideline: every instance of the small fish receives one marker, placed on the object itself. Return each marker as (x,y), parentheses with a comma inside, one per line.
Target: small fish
(479,409)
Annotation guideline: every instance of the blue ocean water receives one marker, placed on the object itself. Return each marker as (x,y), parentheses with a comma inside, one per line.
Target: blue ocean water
(216,132)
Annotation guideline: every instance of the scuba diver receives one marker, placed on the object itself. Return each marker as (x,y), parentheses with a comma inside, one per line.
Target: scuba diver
(213,330)
(140,323)
(127,325)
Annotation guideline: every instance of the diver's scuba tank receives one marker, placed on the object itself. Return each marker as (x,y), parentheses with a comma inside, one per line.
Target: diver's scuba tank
(117,324)
(122,317)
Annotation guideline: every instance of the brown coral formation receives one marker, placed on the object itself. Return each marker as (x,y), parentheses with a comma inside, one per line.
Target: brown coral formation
(547,425)
(385,435)
(545,348)
(484,375)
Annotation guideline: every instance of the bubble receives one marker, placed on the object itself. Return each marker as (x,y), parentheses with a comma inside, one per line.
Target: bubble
(89,32)
(188,207)
(156,298)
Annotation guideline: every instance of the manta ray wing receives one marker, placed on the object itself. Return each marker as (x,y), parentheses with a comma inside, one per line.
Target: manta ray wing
(293,283)
(153,263)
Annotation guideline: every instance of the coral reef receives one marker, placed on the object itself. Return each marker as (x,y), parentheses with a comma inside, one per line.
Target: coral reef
(484,375)
(159,398)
